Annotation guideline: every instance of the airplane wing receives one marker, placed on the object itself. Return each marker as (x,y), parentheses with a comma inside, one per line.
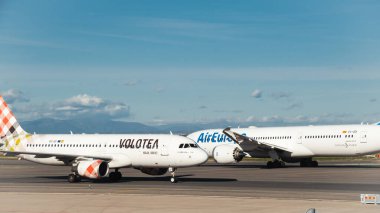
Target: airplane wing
(249,144)
(57,155)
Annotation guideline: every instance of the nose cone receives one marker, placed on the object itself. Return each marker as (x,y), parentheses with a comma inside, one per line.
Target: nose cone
(202,157)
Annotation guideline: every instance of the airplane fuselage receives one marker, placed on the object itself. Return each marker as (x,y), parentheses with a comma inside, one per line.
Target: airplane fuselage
(303,141)
(127,150)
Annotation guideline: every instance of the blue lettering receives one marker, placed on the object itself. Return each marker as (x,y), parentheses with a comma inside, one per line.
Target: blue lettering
(220,138)
(214,136)
(200,138)
(208,137)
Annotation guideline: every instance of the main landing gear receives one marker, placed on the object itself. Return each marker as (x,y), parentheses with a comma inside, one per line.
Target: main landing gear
(173,179)
(308,163)
(275,164)
(115,176)
(74,178)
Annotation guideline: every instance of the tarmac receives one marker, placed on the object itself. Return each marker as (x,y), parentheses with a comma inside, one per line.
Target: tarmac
(248,186)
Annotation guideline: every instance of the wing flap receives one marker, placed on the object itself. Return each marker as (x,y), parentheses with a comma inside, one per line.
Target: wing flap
(249,144)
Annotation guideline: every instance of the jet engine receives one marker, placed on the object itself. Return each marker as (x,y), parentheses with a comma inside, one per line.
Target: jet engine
(153,171)
(94,169)
(227,154)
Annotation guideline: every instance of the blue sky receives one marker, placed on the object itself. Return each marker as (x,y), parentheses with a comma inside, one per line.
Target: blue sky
(192,61)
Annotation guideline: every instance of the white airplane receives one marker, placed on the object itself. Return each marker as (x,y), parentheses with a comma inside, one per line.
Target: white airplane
(92,156)
(289,144)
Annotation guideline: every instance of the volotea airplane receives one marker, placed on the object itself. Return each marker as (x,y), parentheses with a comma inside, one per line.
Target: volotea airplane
(289,144)
(92,156)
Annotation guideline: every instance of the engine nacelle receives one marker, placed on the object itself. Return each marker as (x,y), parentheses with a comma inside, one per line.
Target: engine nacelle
(94,169)
(227,154)
(153,171)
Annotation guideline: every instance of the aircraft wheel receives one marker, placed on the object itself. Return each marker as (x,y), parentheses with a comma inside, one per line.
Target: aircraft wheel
(72,178)
(270,164)
(314,163)
(78,178)
(173,180)
(112,176)
(305,163)
(118,175)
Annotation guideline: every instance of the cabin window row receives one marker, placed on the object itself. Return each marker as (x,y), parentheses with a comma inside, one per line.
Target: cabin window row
(328,136)
(70,145)
(272,138)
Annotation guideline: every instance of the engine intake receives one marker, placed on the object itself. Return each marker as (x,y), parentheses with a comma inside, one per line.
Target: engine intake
(95,169)
(227,154)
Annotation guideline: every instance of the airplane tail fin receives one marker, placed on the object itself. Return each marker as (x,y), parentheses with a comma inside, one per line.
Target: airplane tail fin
(8,123)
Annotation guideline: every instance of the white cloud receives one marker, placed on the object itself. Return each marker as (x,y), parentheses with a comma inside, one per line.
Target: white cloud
(84,100)
(13,95)
(115,109)
(86,105)
(81,105)
(257,93)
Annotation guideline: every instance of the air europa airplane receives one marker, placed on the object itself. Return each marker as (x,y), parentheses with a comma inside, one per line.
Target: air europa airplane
(289,144)
(92,156)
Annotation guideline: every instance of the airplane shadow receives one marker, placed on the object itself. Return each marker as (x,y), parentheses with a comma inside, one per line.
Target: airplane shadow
(180,178)
(249,166)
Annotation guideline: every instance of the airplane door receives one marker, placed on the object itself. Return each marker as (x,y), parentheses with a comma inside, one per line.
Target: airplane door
(164,150)
(104,147)
(299,138)
(363,137)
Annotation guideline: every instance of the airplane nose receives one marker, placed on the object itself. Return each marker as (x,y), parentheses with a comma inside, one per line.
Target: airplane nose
(202,157)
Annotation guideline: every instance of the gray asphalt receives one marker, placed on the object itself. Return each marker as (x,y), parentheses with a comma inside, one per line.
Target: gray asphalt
(332,180)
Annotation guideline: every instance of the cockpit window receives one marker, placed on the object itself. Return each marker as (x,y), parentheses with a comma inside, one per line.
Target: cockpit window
(188,145)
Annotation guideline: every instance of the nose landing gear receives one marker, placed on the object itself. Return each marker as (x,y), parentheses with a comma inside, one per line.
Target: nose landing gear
(173,179)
